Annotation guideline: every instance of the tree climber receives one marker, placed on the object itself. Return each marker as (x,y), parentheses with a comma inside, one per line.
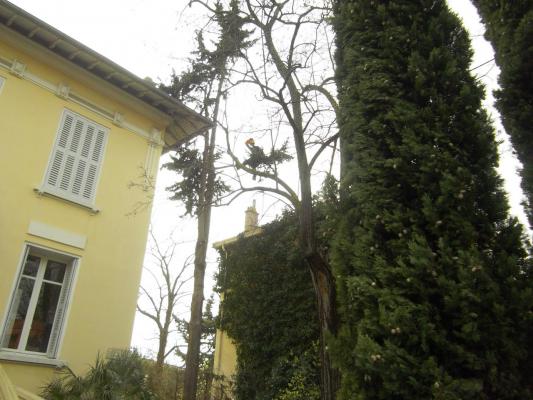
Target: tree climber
(257,156)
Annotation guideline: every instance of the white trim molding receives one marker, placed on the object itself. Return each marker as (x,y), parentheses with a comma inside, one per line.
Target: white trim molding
(118,119)
(55,234)
(151,153)
(63,90)
(31,359)
(42,191)
(18,68)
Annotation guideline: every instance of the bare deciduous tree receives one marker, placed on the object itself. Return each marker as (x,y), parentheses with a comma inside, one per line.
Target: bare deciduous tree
(291,68)
(168,280)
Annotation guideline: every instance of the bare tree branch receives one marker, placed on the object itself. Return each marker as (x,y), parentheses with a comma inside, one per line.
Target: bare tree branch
(169,288)
(323,146)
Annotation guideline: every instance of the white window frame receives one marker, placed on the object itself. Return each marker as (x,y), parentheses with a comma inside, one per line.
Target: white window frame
(67,194)
(65,299)
(2,82)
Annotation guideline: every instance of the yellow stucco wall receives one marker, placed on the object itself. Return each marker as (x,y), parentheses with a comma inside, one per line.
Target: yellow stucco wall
(225,362)
(104,294)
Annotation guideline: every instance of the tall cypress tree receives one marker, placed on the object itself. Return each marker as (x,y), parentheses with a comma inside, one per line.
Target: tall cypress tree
(434,285)
(509,27)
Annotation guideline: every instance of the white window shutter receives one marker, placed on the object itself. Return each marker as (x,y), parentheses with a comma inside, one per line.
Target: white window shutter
(76,159)
(53,343)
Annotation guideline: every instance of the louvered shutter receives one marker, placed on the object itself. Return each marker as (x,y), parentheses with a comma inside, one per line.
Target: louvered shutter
(76,159)
(60,313)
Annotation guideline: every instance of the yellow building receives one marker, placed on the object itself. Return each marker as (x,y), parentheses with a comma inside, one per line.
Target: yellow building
(225,360)
(76,131)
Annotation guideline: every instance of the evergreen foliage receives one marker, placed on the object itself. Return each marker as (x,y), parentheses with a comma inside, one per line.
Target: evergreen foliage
(187,162)
(434,287)
(207,343)
(122,375)
(258,160)
(269,311)
(509,27)
(201,86)
(209,65)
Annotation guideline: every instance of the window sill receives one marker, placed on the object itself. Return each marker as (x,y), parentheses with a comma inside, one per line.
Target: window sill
(44,192)
(31,359)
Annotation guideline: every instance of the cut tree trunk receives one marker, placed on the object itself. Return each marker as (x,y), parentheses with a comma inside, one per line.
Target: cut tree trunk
(324,286)
(323,280)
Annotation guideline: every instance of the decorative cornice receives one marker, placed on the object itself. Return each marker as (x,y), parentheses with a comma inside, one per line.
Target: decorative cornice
(118,119)
(64,91)
(18,68)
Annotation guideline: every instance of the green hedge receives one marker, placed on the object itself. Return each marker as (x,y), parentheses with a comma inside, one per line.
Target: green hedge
(509,27)
(434,286)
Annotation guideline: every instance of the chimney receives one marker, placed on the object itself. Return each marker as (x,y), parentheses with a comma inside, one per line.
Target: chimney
(250,218)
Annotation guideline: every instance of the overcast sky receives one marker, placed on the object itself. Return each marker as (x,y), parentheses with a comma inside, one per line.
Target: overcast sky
(153,38)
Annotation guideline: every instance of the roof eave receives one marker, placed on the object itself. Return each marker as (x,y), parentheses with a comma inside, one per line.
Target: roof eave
(186,122)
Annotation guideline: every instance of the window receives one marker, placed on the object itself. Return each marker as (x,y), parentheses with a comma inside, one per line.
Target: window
(76,159)
(36,312)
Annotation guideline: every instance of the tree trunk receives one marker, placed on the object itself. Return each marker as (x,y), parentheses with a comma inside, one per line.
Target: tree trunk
(195,324)
(160,359)
(156,374)
(192,361)
(324,285)
(323,282)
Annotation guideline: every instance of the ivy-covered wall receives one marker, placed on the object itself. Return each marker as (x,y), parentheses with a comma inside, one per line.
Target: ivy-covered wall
(269,311)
